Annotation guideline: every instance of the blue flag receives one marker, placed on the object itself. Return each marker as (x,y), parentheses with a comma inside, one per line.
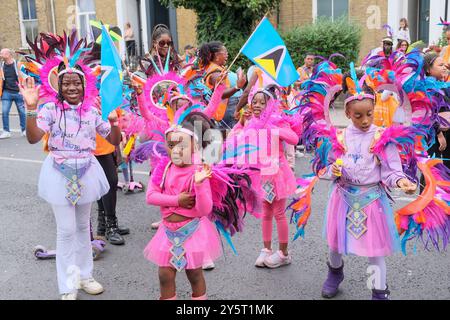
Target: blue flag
(266,49)
(111,76)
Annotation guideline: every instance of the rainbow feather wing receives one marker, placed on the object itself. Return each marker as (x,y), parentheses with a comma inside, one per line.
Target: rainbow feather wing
(300,206)
(317,93)
(233,196)
(428,217)
(404,138)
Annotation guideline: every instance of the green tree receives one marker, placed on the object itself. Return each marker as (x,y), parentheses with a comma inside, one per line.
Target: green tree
(225,20)
(323,38)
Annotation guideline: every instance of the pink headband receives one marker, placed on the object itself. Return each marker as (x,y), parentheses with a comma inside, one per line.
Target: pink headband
(177,128)
(176,97)
(359,96)
(71,70)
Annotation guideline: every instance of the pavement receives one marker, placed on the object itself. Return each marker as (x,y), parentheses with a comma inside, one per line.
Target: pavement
(26,221)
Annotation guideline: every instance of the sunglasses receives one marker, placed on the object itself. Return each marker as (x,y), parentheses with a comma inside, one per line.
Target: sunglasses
(162,43)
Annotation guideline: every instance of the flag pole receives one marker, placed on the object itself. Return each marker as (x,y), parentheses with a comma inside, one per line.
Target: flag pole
(238,54)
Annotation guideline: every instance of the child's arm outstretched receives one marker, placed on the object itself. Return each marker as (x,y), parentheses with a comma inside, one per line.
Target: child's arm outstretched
(147,114)
(288,135)
(392,173)
(215,101)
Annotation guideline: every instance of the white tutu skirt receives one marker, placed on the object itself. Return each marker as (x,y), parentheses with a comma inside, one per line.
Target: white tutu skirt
(52,183)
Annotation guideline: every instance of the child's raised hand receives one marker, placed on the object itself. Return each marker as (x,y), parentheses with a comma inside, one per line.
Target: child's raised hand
(186,200)
(407,186)
(113,116)
(30,93)
(205,173)
(245,114)
(242,79)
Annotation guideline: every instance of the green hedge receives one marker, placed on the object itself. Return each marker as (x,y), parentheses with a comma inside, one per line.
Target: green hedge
(322,38)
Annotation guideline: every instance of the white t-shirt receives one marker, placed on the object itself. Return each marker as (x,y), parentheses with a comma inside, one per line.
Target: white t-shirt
(403,35)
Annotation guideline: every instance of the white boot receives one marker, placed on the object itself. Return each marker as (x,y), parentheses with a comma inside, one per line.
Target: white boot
(91,286)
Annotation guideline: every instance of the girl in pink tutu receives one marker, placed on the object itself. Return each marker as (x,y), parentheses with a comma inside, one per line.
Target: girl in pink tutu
(264,120)
(359,218)
(187,237)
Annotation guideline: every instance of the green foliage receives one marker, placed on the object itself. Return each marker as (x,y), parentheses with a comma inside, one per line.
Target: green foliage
(443,40)
(233,47)
(232,21)
(323,38)
(225,20)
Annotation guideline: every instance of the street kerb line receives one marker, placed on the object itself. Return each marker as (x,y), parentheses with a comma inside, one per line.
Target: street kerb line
(21,160)
(40,162)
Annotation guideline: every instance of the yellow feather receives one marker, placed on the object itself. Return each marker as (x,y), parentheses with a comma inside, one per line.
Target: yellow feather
(129,145)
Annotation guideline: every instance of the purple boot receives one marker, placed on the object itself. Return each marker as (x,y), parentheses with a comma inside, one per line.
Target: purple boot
(380,294)
(335,277)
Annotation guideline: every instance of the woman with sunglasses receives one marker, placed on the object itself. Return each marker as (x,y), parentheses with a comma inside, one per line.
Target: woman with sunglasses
(162,45)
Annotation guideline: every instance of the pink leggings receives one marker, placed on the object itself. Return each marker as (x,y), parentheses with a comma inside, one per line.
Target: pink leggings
(276,209)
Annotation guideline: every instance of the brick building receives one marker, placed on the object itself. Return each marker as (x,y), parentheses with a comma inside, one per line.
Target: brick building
(19,18)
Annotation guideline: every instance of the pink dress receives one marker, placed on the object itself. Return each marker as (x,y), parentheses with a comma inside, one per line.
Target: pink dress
(370,232)
(270,157)
(204,244)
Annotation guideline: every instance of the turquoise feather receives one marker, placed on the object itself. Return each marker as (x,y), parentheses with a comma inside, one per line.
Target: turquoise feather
(226,235)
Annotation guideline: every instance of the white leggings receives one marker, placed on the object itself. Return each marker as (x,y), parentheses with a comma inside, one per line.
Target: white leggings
(73,245)
(377,269)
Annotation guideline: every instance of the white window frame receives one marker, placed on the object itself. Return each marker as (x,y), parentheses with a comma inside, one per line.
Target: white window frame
(84,13)
(315,6)
(23,33)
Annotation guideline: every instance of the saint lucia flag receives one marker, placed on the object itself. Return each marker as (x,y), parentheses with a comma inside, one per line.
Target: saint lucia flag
(111,75)
(267,50)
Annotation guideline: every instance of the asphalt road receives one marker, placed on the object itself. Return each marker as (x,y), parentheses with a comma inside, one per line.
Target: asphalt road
(26,220)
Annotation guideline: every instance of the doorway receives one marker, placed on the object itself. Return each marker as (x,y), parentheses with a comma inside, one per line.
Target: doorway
(424,21)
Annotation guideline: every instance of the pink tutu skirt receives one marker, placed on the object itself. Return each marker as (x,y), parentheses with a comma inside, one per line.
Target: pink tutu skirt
(381,238)
(202,246)
(284,181)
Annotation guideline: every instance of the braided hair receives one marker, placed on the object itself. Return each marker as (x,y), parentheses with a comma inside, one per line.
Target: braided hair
(207,52)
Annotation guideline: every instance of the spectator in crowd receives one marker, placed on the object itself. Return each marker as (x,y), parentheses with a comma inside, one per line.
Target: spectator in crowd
(403,31)
(130,42)
(9,91)
(306,70)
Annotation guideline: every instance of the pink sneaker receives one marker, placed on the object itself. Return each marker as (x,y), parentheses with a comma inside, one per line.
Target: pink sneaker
(277,259)
(262,256)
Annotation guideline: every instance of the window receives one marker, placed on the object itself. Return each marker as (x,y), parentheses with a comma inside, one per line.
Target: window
(331,8)
(28,20)
(85,13)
